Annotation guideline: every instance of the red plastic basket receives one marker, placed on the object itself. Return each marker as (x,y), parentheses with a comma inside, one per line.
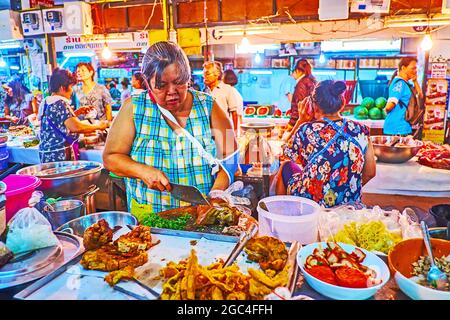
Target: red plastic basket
(348,94)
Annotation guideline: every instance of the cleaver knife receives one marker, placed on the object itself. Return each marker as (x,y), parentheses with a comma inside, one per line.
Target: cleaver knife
(189,194)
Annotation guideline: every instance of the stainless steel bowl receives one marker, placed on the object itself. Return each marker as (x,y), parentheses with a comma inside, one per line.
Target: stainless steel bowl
(395,154)
(62,182)
(114,218)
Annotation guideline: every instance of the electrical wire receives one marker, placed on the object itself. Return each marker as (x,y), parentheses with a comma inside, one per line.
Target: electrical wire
(152,13)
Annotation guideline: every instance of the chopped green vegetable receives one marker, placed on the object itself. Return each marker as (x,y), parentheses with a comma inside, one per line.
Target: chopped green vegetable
(155,221)
(372,236)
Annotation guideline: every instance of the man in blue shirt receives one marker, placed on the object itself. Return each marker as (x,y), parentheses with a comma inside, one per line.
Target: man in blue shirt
(287,88)
(399,99)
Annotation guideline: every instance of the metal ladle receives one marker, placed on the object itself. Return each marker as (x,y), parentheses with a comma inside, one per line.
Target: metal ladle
(435,277)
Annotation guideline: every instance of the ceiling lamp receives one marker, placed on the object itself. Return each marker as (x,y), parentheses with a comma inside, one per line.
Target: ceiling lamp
(244,47)
(106,52)
(419,20)
(427,42)
(322,59)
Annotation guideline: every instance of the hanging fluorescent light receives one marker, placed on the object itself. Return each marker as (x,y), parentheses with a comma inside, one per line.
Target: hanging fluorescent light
(418,20)
(257,58)
(324,73)
(322,59)
(239,31)
(426,43)
(260,72)
(106,52)
(14,68)
(78,54)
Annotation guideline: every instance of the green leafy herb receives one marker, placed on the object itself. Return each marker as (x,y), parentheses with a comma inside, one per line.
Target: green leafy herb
(154,220)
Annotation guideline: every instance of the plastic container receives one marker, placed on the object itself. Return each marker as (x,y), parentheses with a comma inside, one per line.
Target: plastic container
(441,213)
(4,156)
(63,211)
(289,218)
(19,191)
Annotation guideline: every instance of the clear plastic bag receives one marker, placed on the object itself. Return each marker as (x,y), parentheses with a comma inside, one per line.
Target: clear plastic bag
(226,195)
(29,229)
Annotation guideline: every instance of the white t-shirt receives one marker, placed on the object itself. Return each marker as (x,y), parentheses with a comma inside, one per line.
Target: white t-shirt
(125,95)
(226,98)
(240,102)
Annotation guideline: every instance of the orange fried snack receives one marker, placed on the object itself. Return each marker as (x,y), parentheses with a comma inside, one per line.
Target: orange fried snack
(109,258)
(114,277)
(97,235)
(269,252)
(138,239)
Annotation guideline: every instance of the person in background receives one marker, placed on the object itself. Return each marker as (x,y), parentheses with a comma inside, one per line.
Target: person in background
(137,82)
(287,88)
(331,157)
(19,103)
(230,78)
(142,146)
(402,97)
(93,94)
(4,91)
(125,92)
(221,92)
(60,125)
(303,88)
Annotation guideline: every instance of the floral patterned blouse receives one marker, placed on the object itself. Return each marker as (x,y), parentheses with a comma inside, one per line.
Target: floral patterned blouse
(331,154)
(98,97)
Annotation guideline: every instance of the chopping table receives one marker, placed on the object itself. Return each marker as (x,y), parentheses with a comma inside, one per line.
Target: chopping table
(20,154)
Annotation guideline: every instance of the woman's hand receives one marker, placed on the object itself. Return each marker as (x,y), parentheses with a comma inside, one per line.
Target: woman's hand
(83,110)
(102,125)
(155,179)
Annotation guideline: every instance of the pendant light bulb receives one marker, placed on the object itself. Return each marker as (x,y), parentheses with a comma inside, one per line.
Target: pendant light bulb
(106,52)
(257,58)
(245,44)
(427,42)
(322,59)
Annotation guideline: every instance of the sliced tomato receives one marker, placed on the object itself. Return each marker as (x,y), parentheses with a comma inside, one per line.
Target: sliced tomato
(323,273)
(351,277)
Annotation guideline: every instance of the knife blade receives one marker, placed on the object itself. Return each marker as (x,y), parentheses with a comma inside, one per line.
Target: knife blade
(188,194)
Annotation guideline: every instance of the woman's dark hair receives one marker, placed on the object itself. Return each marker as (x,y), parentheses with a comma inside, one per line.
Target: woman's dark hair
(88,66)
(112,84)
(125,82)
(139,78)
(162,54)
(61,78)
(404,62)
(304,66)
(328,96)
(229,77)
(19,90)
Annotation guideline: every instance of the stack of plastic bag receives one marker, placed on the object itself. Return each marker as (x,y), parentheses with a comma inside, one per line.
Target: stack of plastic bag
(29,229)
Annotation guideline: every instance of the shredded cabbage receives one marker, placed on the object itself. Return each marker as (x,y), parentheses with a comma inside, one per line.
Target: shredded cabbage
(372,236)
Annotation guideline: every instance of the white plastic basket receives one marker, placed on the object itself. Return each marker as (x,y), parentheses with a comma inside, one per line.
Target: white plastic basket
(289,218)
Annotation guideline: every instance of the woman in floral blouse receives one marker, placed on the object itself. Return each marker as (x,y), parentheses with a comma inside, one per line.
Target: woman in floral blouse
(332,158)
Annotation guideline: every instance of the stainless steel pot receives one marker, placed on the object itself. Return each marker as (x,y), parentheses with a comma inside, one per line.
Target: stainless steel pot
(386,153)
(63,211)
(114,218)
(65,178)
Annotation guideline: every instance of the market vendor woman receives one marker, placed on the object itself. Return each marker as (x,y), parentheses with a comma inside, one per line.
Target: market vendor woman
(403,97)
(169,133)
(332,157)
(60,125)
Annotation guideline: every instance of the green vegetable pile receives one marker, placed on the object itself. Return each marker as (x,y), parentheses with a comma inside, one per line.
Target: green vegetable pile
(372,236)
(155,221)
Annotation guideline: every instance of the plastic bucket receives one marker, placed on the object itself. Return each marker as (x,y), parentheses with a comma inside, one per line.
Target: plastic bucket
(4,156)
(19,191)
(64,211)
(289,218)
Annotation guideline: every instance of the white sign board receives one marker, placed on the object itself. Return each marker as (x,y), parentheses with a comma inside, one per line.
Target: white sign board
(438,70)
(370,6)
(126,42)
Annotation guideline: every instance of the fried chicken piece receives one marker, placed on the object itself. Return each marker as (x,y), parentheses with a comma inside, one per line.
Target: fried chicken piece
(114,277)
(109,258)
(138,239)
(269,252)
(222,214)
(97,235)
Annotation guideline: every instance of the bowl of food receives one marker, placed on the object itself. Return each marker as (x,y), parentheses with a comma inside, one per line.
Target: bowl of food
(342,271)
(394,149)
(409,263)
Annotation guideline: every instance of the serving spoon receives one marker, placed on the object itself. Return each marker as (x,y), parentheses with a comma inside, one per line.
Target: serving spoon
(435,277)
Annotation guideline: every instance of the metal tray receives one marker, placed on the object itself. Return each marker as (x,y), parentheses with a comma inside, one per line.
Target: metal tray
(41,262)
(66,284)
